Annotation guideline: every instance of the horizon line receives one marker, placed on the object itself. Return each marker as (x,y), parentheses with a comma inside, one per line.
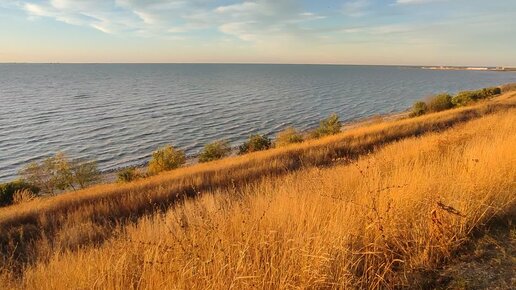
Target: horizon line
(266,63)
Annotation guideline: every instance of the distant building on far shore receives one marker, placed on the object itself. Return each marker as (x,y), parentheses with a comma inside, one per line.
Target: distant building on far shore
(479,68)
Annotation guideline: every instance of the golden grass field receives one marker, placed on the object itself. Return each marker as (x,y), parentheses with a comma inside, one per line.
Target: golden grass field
(368,208)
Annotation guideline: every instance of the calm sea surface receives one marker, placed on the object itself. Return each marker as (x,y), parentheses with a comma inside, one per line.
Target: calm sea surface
(118,114)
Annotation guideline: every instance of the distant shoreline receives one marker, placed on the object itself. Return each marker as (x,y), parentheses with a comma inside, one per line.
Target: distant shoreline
(471,68)
(416,66)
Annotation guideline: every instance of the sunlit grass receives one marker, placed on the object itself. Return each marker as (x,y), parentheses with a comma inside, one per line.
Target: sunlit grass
(306,215)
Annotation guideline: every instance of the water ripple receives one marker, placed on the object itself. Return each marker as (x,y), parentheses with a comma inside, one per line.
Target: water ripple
(118,114)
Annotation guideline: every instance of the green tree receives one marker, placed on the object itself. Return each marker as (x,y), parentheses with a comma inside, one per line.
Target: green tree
(44,175)
(328,126)
(83,173)
(288,136)
(59,173)
(255,143)
(166,158)
(214,151)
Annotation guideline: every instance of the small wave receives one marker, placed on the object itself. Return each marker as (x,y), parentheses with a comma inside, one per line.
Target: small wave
(127,117)
(82,96)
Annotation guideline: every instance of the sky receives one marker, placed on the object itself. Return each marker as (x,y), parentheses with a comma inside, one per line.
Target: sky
(395,32)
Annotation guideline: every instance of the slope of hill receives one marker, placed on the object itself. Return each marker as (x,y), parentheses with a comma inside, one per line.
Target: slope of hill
(368,208)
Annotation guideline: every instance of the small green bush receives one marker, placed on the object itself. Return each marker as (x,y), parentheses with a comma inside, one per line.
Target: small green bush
(166,158)
(214,151)
(129,174)
(418,109)
(464,99)
(255,143)
(7,190)
(489,92)
(443,102)
(439,103)
(288,136)
(328,126)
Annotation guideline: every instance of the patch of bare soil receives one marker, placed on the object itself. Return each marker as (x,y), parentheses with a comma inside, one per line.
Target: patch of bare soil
(488,261)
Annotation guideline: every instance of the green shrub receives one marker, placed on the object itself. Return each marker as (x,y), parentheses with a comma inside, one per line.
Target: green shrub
(288,136)
(439,103)
(215,151)
(464,99)
(328,126)
(129,174)
(166,158)
(8,190)
(255,143)
(489,92)
(418,109)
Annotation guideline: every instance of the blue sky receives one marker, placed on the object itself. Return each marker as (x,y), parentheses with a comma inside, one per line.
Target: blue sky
(427,32)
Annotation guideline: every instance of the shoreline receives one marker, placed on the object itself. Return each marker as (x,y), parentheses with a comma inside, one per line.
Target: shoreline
(109,175)
(470,68)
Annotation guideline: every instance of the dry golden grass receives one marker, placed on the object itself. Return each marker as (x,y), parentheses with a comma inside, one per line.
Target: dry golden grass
(278,219)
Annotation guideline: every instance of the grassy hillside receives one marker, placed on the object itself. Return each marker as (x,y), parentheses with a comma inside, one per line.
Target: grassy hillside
(343,211)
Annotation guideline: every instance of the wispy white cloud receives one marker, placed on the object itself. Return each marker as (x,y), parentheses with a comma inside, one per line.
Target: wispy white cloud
(267,30)
(247,20)
(265,19)
(114,16)
(97,14)
(273,26)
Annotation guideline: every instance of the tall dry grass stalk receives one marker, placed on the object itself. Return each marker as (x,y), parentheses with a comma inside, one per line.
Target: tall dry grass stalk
(368,223)
(22,196)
